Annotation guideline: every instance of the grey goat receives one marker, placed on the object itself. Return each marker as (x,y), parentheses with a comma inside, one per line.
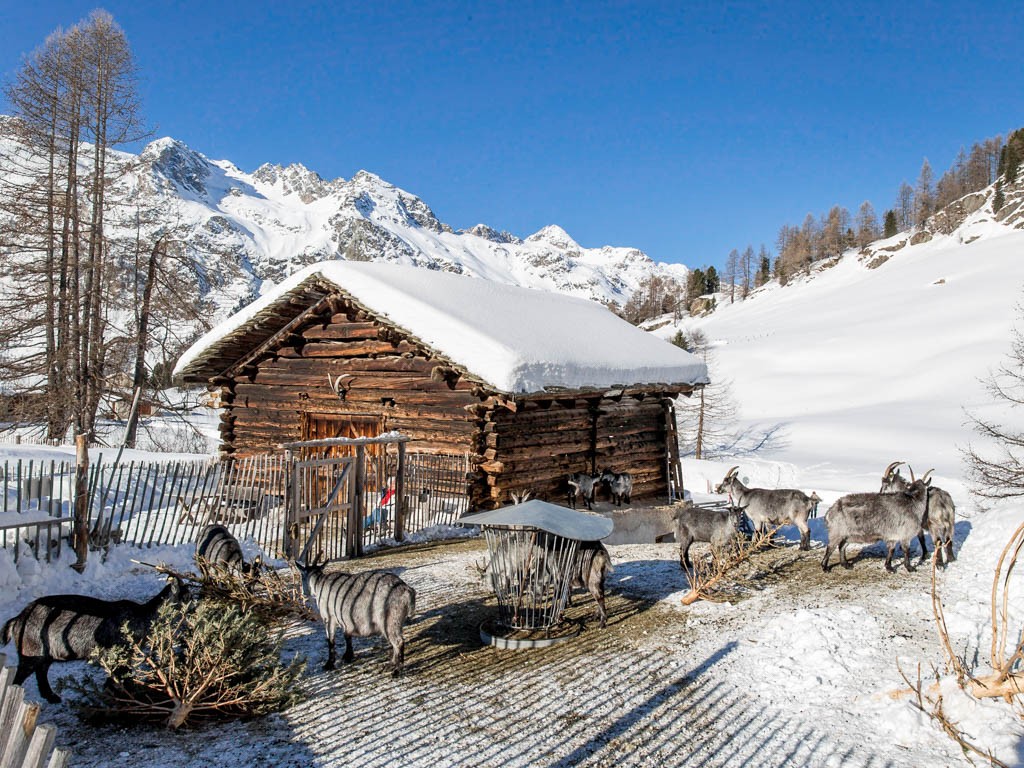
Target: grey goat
(770,508)
(717,527)
(619,484)
(593,563)
(869,517)
(582,485)
(940,513)
(360,605)
(69,627)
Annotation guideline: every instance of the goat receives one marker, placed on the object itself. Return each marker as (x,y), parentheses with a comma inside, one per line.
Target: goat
(70,627)
(941,524)
(619,484)
(717,527)
(585,485)
(940,513)
(869,517)
(218,547)
(589,569)
(770,508)
(361,605)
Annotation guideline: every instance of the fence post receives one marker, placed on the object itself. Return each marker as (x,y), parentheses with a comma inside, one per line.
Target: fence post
(400,494)
(355,520)
(81,524)
(291,503)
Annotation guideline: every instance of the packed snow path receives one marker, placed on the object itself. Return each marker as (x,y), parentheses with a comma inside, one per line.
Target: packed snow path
(748,684)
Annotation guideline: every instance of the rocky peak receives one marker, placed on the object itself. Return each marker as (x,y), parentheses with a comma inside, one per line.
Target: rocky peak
(178,163)
(294,179)
(556,236)
(488,233)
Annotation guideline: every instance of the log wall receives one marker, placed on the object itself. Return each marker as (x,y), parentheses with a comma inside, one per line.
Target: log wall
(378,375)
(536,446)
(343,362)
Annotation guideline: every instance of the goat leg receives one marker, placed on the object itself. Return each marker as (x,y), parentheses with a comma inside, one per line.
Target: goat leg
(329,665)
(42,668)
(924,549)
(842,555)
(805,539)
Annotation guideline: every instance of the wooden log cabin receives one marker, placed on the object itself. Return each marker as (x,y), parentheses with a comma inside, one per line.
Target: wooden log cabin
(532,385)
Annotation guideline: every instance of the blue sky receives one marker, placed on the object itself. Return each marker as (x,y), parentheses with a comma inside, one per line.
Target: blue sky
(684,129)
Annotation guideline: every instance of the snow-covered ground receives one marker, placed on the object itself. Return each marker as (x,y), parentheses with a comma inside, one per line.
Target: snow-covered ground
(860,368)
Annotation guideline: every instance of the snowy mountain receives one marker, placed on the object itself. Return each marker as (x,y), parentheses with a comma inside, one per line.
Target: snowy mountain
(277,219)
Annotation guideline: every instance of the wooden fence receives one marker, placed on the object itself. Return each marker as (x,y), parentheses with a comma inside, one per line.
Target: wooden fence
(24,743)
(155,503)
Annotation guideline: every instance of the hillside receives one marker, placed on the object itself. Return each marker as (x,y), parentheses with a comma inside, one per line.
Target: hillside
(873,360)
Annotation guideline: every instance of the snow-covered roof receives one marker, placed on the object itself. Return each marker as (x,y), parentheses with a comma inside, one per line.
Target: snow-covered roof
(518,340)
(568,523)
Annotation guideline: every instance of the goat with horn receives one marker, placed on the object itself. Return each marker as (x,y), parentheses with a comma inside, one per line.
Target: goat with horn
(768,508)
(939,515)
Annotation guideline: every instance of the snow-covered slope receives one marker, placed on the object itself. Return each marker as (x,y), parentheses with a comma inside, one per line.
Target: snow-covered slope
(862,365)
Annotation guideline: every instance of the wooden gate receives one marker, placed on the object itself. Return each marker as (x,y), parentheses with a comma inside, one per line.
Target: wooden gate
(320,512)
(334,498)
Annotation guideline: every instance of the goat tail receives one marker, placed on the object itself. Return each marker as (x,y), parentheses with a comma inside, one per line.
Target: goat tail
(8,630)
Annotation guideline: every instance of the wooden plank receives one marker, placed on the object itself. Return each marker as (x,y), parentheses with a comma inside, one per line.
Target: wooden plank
(39,746)
(349,349)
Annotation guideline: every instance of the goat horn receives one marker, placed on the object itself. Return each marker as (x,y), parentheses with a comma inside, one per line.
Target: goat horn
(924,479)
(912,478)
(732,471)
(890,468)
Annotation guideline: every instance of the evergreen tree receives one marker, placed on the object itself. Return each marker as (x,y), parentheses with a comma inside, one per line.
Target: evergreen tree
(764,270)
(711,281)
(890,229)
(1012,162)
(998,200)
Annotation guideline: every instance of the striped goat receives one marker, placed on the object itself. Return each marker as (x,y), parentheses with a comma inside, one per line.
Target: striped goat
(218,548)
(361,605)
(70,627)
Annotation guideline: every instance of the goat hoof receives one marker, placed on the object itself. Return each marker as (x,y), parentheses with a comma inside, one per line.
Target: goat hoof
(848,566)
(328,666)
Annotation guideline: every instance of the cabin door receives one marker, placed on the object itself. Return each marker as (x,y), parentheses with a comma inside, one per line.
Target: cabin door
(318,426)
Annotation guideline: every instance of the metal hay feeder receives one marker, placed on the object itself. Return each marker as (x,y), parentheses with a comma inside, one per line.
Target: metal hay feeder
(532,553)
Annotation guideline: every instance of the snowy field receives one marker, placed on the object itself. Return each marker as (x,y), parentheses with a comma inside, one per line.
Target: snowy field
(799,668)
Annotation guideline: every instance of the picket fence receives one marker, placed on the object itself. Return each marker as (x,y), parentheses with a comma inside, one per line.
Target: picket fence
(145,503)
